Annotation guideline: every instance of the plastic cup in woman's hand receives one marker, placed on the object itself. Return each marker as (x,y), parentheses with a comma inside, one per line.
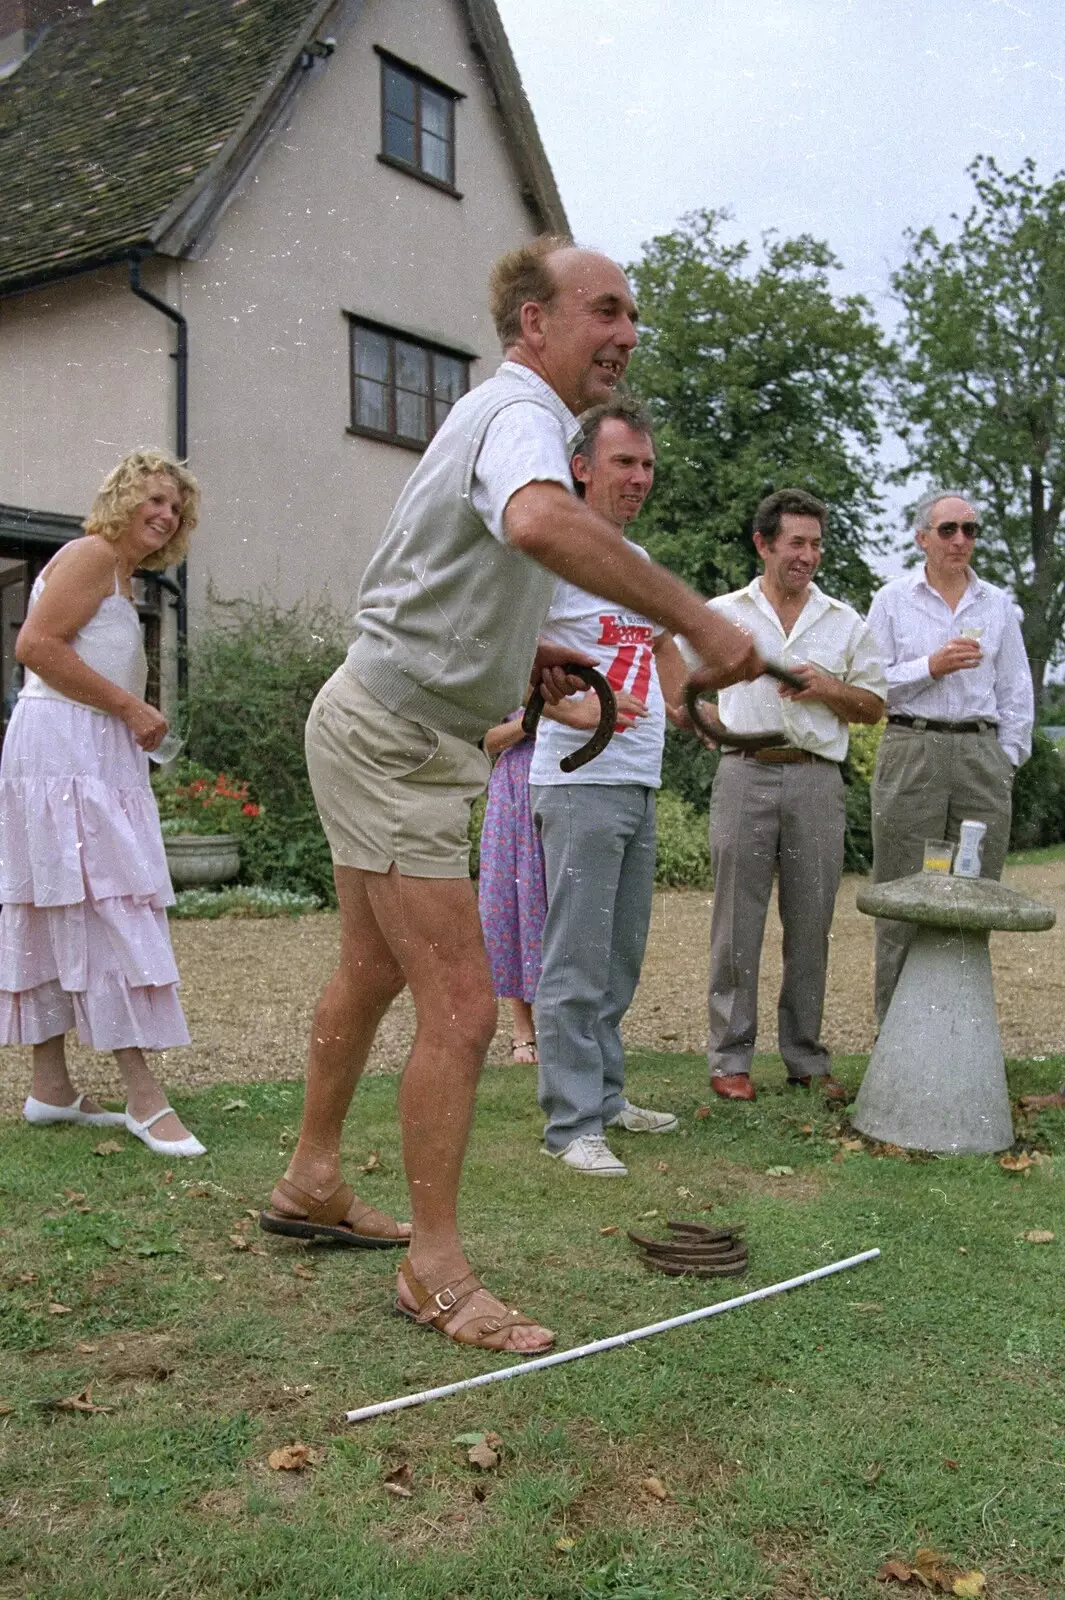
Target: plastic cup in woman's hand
(169,746)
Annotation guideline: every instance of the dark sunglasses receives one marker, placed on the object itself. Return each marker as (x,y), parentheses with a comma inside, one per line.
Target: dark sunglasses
(947,530)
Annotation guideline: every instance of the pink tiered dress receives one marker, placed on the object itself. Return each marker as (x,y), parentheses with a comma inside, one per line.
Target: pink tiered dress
(84,884)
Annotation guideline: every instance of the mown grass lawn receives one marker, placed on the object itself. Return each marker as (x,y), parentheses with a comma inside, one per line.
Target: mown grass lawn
(800,1442)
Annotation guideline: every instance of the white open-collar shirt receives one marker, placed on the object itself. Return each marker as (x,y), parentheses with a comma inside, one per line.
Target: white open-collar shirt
(828,634)
(911,621)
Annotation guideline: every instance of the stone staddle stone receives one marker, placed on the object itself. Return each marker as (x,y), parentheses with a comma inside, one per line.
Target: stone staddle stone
(936,1079)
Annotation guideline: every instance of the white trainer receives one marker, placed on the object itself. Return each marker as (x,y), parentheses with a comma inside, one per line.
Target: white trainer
(40,1113)
(591,1155)
(189,1146)
(635,1119)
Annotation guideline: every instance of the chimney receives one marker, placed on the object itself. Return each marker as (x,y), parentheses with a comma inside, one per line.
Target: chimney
(23,21)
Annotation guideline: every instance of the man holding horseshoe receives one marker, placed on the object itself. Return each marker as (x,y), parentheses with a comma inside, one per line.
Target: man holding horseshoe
(597,824)
(446,635)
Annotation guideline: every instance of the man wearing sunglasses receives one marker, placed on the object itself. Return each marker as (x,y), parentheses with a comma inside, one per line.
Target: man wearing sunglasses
(960,711)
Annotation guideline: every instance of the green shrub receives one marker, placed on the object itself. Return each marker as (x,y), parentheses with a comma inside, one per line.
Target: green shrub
(242,900)
(253,674)
(683,859)
(688,768)
(1039,797)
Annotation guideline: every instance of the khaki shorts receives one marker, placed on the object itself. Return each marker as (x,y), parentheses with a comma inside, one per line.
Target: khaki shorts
(389,790)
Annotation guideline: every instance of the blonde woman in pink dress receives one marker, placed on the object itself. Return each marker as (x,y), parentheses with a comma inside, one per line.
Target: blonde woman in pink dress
(84,884)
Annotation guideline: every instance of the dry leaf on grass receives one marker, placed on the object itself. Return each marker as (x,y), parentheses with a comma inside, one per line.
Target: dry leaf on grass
(1022,1163)
(216,1277)
(235,1105)
(371,1164)
(661,1166)
(606,1231)
(399,1482)
(85,1349)
(26,1277)
(57,1310)
(82,1402)
(73,1195)
(6,1408)
(701,1113)
(780,1172)
(851,1144)
(482,1455)
(293,1457)
(238,1241)
(109,1147)
(655,1488)
(685,1194)
(299,1271)
(931,1572)
(565,1545)
(1039,1236)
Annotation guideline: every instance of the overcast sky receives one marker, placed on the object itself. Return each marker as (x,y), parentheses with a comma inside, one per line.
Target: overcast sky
(848,119)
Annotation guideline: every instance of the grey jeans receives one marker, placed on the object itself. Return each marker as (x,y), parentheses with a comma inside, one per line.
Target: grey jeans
(599,852)
(926,785)
(768,819)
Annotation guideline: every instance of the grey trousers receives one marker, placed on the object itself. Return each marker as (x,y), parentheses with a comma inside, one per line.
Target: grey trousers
(766,819)
(599,852)
(925,786)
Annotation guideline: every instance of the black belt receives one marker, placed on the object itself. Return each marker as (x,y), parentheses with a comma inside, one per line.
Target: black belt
(932,725)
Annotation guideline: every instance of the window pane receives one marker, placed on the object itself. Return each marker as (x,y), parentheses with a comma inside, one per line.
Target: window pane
(436,157)
(449,379)
(436,113)
(399,139)
(371,405)
(412,367)
(412,415)
(371,354)
(399,93)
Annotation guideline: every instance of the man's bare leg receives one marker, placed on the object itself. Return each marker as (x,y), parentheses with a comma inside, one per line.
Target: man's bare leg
(366,981)
(432,928)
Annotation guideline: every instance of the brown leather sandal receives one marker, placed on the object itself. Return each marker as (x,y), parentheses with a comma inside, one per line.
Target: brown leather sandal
(341,1216)
(438,1309)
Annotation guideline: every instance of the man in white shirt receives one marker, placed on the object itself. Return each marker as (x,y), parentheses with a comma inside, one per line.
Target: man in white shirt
(445,638)
(960,712)
(597,825)
(780,811)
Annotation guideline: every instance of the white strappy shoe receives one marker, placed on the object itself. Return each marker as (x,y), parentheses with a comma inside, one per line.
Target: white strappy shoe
(40,1113)
(189,1146)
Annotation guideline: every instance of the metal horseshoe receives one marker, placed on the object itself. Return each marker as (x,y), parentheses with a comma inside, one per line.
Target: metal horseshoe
(711,728)
(608,713)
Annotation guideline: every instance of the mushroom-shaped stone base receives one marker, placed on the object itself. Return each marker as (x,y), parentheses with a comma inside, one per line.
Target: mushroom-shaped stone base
(936,1079)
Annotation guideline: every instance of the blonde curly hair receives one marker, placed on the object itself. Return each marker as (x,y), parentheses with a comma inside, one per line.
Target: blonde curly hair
(122,491)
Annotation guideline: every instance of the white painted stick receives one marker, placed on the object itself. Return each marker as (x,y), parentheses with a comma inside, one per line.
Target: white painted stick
(364,1412)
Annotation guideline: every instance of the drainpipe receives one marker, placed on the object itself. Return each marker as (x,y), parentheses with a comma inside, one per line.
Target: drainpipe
(181,357)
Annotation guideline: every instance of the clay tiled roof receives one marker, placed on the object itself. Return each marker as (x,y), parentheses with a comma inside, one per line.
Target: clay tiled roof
(125,116)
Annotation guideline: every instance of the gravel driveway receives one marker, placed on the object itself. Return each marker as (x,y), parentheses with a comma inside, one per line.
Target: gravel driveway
(249,987)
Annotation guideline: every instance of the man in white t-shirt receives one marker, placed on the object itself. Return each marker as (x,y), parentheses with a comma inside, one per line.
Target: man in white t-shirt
(597,824)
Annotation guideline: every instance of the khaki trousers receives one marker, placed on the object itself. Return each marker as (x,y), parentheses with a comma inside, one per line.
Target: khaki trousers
(926,784)
(765,820)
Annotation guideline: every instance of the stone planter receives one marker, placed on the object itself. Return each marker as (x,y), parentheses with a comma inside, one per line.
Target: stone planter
(197,859)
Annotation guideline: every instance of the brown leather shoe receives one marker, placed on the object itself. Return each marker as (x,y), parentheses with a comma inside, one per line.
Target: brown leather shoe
(826,1085)
(733,1086)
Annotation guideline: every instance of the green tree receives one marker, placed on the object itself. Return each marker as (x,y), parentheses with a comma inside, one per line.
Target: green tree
(759,378)
(981,391)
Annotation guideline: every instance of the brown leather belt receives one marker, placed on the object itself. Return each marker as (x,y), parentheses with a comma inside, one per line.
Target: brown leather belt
(786,755)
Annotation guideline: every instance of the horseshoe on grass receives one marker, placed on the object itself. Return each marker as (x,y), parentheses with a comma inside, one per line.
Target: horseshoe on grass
(608,713)
(711,728)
